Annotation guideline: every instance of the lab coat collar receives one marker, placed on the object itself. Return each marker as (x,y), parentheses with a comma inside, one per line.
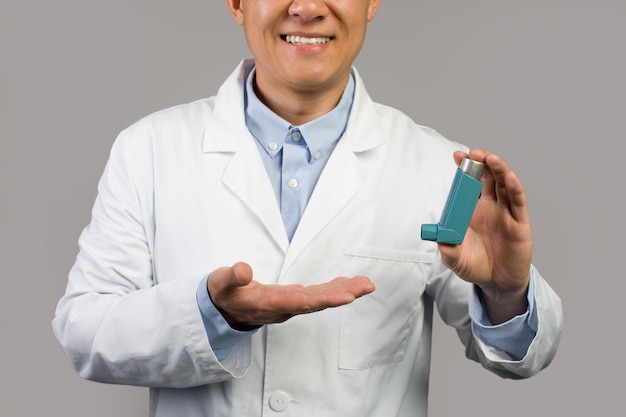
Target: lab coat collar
(363,125)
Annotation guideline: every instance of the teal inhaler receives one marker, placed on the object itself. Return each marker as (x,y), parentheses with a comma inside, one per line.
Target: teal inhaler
(459,207)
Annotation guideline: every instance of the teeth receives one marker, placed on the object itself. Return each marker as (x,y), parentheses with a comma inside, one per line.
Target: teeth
(301,40)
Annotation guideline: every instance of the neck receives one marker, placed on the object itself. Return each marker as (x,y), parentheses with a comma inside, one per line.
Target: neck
(299,106)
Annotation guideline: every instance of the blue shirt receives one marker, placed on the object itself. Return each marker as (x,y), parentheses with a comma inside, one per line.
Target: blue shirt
(294,157)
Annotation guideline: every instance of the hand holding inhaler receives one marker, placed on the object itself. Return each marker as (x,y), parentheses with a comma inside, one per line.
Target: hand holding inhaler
(459,207)
(496,254)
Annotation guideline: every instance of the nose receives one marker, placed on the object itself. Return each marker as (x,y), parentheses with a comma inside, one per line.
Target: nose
(308,10)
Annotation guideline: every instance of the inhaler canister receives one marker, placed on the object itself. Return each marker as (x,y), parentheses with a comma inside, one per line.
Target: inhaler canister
(459,207)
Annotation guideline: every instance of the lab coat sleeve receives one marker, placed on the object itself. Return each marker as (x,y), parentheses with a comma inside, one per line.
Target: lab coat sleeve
(116,323)
(513,336)
(451,295)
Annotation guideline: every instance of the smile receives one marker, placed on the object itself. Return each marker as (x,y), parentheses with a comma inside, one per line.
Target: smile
(303,40)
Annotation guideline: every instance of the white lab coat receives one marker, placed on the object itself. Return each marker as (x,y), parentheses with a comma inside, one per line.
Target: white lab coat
(185,192)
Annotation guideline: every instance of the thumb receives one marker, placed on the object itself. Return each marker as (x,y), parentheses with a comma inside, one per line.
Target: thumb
(229,277)
(450,255)
(241,274)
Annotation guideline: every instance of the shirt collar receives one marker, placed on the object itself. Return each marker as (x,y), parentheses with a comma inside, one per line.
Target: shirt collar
(321,135)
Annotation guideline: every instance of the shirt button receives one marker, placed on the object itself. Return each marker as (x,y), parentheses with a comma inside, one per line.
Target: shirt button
(317,155)
(273,146)
(279,401)
(292,183)
(296,136)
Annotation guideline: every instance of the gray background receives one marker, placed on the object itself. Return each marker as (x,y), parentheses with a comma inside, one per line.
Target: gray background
(539,81)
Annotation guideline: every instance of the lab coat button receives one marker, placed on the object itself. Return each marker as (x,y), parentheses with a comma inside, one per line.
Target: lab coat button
(279,401)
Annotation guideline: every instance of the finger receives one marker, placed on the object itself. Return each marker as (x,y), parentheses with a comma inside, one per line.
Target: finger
(499,170)
(508,188)
(346,288)
(338,292)
(297,299)
(517,196)
(459,156)
(488,191)
(479,155)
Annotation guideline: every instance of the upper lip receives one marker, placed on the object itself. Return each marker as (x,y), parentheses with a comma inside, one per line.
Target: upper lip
(306,35)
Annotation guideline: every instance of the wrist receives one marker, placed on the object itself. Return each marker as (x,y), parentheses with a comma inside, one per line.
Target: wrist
(499,296)
(503,304)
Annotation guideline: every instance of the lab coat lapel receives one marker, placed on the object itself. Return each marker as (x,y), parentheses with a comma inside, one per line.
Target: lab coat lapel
(247,178)
(245,174)
(340,181)
(343,175)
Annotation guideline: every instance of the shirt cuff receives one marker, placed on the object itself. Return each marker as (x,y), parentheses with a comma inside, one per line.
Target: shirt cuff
(514,336)
(222,337)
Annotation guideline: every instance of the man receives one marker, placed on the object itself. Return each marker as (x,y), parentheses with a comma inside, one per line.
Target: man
(314,195)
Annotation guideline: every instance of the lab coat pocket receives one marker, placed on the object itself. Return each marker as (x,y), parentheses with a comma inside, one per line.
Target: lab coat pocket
(374,329)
